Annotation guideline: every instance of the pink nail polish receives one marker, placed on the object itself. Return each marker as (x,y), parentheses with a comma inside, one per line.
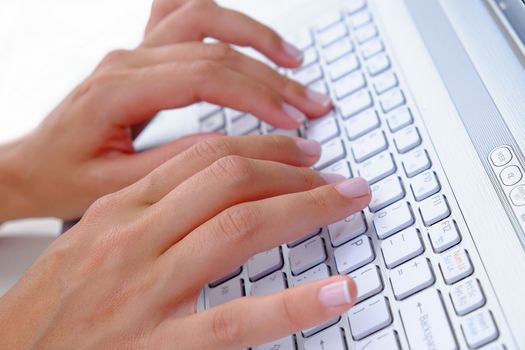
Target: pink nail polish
(309,147)
(331,178)
(353,188)
(293,52)
(335,294)
(318,98)
(293,112)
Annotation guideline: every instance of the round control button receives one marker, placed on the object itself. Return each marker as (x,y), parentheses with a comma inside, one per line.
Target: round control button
(511,175)
(501,156)
(517,196)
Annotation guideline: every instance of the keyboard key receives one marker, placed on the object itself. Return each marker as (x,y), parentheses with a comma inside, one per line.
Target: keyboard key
(517,196)
(308,75)
(302,39)
(268,285)
(233,114)
(455,265)
(326,21)
(501,156)
(378,167)
(353,6)
(371,48)
(385,82)
(369,317)
(426,322)
(342,168)
(407,139)
(365,33)
(511,175)
(378,64)
(287,343)
(307,255)
(311,331)
(225,278)
(393,219)
(392,99)
(354,254)
(332,151)
(386,192)
(304,238)
(206,109)
(343,66)
(244,125)
(226,292)
(479,329)
(319,86)
(332,34)
(368,281)
(411,277)
(349,84)
(331,338)
(467,296)
(355,103)
(310,56)
(416,161)
(213,122)
(383,341)
(347,229)
(289,133)
(338,49)
(399,118)
(444,235)
(369,145)
(318,273)
(360,19)
(402,247)
(323,131)
(425,185)
(434,209)
(361,124)
(264,263)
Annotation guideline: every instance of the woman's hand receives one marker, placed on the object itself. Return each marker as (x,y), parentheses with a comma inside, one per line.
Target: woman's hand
(84,148)
(128,275)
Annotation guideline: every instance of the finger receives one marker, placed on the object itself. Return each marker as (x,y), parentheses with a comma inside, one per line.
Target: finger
(244,230)
(163,180)
(201,19)
(307,100)
(252,321)
(229,181)
(136,95)
(159,10)
(129,168)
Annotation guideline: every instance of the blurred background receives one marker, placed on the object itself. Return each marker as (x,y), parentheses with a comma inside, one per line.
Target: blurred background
(46,48)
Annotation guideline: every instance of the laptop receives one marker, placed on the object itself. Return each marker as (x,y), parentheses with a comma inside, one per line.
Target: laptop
(429,108)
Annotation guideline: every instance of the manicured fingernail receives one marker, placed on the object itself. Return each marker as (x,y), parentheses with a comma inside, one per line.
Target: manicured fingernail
(331,178)
(309,147)
(335,294)
(352,188)
(294,113)
(293,52)
(319,98)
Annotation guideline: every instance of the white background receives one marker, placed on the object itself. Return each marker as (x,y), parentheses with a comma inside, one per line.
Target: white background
(46,48)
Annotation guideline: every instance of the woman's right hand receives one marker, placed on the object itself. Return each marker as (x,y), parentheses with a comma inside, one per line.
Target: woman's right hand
(129,274)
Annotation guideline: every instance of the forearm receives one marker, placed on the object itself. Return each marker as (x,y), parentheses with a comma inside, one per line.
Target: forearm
(16,201)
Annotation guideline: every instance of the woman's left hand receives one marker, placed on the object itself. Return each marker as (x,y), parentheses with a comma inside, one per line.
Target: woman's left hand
(84,148)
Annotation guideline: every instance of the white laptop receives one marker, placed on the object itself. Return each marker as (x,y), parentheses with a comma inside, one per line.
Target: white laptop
(430,108)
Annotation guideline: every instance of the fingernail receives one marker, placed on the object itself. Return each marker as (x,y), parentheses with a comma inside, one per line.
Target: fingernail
(352,188)
(309,147)
(293,52)
(319,98)
(335,294)
(332,178)
(294,113)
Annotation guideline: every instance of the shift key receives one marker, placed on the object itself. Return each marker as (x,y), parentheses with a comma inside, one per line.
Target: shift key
(426,322)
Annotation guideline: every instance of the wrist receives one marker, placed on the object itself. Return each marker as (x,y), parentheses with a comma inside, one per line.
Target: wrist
(16,201)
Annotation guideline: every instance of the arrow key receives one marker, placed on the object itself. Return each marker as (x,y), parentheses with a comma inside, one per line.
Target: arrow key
(330,339)
(281,344)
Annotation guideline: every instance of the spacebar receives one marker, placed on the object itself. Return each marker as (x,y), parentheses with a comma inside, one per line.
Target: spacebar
(426,322)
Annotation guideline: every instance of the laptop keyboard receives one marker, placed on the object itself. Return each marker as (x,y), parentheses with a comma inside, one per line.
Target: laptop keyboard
(419,279)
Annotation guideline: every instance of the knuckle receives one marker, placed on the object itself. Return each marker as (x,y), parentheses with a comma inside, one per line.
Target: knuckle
(204,69)
(318,199)
(200,4)
(225,326)
(238,222)
(307,178)
(100,207)
(211,149)
(115,56)
(221,52)
(235,168)
(290,316)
